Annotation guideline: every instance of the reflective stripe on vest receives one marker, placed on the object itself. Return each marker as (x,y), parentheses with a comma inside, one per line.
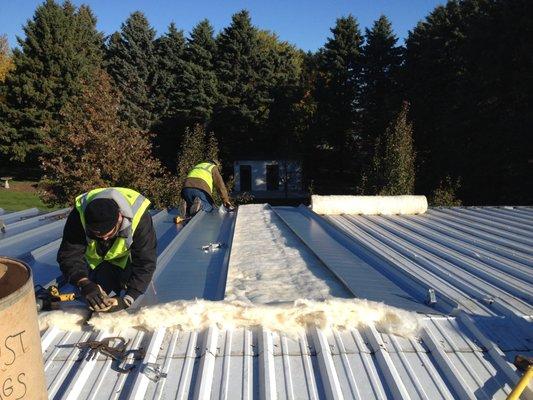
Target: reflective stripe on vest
(203,171)
(132,206)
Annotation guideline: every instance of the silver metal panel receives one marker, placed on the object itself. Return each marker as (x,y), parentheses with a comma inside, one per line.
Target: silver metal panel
(480,231)
(29,223)
(465,254)
(489,224)
(16,216)
(185,270)
(443,363)
(359,276)
(21,244)
(478,279)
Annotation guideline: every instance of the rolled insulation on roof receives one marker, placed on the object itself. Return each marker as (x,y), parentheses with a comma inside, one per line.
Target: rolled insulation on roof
(369,205)
(291,318)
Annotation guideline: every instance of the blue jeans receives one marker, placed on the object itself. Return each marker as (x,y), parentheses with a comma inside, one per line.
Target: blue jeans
(188,194)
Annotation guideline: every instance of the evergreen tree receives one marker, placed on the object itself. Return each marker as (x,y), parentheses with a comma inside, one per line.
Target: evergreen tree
(285,86)
(380,97)
(199,78)
(95,148)
(168,91)
(397,166)
(132,63)
(61,48)
(468,78)
(169,101)
(244,98)
(339,63)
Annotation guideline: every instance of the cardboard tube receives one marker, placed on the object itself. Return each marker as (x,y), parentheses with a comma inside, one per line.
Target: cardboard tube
(21,360)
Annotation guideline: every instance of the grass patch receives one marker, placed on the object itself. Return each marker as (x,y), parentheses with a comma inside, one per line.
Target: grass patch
(20,196)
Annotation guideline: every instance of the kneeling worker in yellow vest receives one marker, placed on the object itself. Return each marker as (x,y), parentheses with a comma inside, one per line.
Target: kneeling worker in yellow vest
(198,188)
(109,245)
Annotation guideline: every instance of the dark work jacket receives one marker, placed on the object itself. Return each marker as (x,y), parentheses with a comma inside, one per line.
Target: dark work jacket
(71,254)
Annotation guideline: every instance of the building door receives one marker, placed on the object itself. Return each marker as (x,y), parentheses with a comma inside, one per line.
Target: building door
(245,173)
(272,177)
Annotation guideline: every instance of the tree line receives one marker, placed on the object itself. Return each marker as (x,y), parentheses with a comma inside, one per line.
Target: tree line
(449,114)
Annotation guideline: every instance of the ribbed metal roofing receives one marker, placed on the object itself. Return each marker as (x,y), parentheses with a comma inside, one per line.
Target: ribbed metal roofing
(477,260)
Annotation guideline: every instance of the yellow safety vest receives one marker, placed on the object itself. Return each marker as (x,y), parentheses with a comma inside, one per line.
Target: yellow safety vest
(132,206)
(203,171)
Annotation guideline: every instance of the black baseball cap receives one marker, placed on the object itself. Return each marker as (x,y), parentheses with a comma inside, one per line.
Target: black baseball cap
(101,216)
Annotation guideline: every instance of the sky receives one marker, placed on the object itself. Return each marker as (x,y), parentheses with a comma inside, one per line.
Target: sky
(305,24)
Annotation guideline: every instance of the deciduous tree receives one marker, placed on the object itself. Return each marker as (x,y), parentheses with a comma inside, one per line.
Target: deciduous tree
(396,159)
(94,148)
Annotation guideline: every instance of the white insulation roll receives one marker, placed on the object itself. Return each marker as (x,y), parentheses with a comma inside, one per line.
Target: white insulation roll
(369,205)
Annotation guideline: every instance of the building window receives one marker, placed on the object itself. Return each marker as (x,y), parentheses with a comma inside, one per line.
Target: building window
(245,174)
(272,177)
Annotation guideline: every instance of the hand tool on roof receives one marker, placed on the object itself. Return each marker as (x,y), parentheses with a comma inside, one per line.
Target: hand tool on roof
(117,353)
(47,298)
(524,364)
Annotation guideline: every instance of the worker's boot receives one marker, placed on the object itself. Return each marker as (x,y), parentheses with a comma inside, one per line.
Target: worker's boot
(196,206)
(183,209)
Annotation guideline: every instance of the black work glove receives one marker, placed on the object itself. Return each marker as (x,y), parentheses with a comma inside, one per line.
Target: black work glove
(95,297)
(119,303)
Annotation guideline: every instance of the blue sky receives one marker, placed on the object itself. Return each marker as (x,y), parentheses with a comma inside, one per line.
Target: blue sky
(303,23)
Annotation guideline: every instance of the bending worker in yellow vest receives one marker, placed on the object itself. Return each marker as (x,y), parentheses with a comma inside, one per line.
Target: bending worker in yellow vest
(197,190)
(109,245)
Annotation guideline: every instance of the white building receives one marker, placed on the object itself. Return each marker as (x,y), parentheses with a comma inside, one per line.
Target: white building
(268,178)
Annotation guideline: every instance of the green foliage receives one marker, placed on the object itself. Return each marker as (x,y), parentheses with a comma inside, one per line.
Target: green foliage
(380,95)
(212,149)
(199,77)
(197,146)
(243,103)
(6,58)
(94,148)
(192,151)
(168,93)
(466,71)
(212,154)
(168,90)
(339,66)
(446,193)
(469,81)
(396,168)
(61,48)
(249,65)
(288,116)
(132,63)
